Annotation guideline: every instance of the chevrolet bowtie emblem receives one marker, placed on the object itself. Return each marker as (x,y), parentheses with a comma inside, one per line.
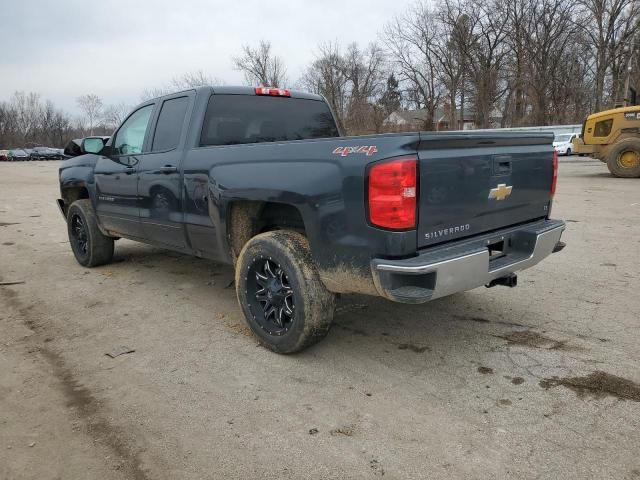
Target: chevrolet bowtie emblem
(500,192)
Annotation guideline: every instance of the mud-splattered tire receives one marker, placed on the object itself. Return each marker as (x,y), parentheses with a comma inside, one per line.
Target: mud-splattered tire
(284,302)
(89,245)
(624,159)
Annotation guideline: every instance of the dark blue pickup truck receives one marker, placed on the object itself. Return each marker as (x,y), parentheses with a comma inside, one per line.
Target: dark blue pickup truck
(261,178)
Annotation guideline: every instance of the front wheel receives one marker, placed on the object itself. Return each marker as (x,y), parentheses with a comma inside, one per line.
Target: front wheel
(89,245)
(284,302)
(568,152)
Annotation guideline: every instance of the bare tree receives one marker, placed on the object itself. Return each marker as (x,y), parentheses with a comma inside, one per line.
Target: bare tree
(114,115)
(187,80)
(326,76)
(609,26)
(27,109)
(478,30)
(410,41)
(91,106)
(60,129)
(550,29)
(260,66)
(516,101)
(26,121)
(352,81)
(8,125)
(365,74)
(452,41)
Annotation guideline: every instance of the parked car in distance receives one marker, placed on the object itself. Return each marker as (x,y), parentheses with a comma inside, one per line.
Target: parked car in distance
(563,143)
(4,155)
(39,153)
(18,155)
(262,179)
(45,153)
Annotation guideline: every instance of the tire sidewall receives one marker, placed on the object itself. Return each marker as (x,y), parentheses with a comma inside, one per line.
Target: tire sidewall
(612,160)
(75,209)
(277,247)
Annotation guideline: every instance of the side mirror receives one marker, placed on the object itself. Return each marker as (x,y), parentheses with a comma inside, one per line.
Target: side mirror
(92,145)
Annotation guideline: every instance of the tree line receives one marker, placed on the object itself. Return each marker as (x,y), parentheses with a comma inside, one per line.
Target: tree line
(507,63)
(26,120)
(503,63)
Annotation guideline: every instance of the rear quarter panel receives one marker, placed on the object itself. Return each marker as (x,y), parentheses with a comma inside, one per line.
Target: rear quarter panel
(327,188)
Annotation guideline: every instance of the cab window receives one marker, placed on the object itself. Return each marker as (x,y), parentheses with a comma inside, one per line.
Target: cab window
(603,128)
(130,138)
(240,119)
(169,125)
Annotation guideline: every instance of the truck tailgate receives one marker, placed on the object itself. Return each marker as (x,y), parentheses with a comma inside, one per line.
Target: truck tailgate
(472,183)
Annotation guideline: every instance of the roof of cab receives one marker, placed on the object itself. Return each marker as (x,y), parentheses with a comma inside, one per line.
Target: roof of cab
(237,90)
(613,111)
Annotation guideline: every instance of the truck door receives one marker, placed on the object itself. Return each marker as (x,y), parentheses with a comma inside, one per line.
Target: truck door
(116,176)
(160,179)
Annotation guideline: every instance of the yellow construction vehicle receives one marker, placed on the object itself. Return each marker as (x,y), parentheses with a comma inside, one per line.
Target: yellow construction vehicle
(579,148)
(613,137)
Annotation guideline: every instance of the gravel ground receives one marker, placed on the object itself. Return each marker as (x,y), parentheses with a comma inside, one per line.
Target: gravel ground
(531,382)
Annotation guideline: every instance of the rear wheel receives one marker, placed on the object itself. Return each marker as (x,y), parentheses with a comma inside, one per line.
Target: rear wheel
(280,292)
(89,245)
(624,159)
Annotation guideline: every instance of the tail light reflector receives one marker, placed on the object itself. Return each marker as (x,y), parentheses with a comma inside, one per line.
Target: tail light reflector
(555,172)
(393,189)
(273,92)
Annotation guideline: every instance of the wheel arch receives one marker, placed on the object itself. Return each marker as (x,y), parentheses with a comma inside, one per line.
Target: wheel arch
(71,193)
(247,218)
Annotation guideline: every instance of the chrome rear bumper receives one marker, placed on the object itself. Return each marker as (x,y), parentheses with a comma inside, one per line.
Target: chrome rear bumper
(464,265)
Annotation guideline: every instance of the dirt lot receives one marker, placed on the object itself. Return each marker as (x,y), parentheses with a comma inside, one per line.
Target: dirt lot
(531,382)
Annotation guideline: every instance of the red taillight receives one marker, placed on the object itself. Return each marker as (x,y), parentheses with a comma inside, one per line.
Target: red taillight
(392,194)
(273,92)
(555,172)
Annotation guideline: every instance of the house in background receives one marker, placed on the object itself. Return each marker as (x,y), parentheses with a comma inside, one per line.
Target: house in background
(411,120)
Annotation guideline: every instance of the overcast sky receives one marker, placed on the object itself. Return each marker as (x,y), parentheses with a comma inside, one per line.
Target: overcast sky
(116,49)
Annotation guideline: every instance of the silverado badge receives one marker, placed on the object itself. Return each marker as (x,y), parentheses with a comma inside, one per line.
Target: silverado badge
(500,192)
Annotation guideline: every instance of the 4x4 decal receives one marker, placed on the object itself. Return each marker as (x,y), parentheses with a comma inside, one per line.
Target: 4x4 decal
(367,150)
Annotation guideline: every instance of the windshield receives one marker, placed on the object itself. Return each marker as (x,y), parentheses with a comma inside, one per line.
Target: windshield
(563,138)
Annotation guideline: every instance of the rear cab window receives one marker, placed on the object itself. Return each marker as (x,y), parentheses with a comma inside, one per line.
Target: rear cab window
(243,119)
(170,124)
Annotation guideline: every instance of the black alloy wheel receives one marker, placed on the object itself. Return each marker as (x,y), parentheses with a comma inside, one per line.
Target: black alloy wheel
(79,236)
(89,245)
(270,296)
(280,292)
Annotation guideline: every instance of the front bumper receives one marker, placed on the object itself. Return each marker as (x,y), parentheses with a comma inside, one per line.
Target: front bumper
(61,207)
(467,264)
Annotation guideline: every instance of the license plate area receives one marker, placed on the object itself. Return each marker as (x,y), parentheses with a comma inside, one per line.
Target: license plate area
(499,249)
(496,250)
(509,249)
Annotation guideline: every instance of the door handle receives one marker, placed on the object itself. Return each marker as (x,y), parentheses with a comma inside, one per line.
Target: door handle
(502,165)
(168,169)
(130,170)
